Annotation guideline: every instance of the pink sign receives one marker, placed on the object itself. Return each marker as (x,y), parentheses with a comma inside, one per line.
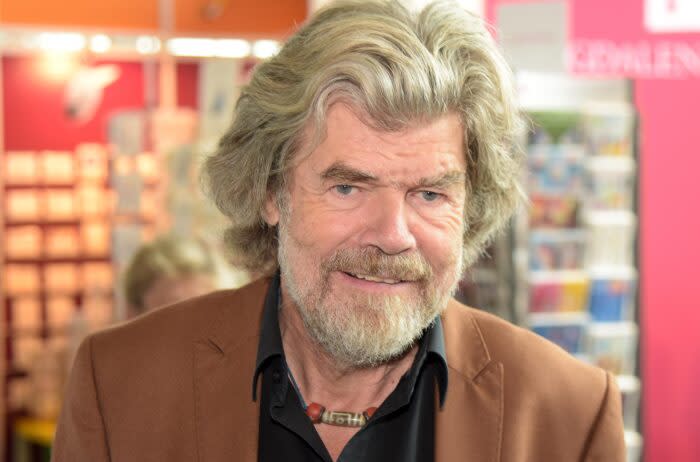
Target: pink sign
(641,59)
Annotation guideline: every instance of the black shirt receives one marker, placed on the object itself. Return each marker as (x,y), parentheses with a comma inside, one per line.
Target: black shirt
(402,428)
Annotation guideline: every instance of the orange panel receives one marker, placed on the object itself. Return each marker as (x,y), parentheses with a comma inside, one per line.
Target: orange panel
(108,14)
(257,18)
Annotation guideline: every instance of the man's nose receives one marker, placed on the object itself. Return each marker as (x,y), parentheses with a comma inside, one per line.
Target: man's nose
(388,226)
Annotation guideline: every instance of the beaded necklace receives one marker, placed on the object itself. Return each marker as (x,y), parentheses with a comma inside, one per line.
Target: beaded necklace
(319,414)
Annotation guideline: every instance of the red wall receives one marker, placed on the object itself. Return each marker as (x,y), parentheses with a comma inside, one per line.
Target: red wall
(187,85)
(33,103)
(33,106)
(669,232)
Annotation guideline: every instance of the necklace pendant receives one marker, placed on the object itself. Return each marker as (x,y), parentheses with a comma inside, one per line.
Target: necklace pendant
(319,414)
(343,419)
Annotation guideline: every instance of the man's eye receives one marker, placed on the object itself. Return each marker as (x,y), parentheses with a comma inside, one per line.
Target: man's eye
(430,196)
(344,189)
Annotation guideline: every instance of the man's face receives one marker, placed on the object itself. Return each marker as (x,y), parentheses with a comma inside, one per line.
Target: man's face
(370,235)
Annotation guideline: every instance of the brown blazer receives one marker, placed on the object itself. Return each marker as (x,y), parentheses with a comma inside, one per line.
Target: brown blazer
(175,385)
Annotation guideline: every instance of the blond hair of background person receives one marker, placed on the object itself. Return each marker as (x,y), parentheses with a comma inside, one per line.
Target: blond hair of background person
(167,270)
(367,165)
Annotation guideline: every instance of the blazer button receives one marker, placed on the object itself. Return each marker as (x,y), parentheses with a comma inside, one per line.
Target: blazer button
(276,376)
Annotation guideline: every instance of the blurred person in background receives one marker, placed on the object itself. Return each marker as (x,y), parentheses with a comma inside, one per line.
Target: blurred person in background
(368,164)
(167,270)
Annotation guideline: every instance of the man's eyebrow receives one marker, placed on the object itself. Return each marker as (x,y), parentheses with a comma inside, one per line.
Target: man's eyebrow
(342,172)
(339,171)
(444,180)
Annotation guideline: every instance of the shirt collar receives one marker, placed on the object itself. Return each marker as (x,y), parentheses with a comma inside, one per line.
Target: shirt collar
(270,344)
(436,351)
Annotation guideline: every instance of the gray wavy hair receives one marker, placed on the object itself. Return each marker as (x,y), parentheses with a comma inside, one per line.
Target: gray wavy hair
(396,67)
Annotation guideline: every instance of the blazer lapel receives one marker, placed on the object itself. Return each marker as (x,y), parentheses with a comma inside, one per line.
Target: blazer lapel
(227,419)
(469,426)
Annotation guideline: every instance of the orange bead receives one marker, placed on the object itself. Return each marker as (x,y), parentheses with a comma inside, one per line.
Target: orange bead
(315,411)
(370,412)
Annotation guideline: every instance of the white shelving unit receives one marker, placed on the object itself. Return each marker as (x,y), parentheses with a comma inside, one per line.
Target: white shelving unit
(575,247)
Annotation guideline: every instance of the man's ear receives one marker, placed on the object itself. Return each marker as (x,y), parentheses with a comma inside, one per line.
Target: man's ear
(271,212)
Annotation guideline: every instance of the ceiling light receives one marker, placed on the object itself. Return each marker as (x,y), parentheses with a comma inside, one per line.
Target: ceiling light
(192,47)
(100,43)
(147,45)
(232,48)
(265,48)
(61,41)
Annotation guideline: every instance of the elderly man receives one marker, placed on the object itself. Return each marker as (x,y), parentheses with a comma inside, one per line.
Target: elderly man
(368,164)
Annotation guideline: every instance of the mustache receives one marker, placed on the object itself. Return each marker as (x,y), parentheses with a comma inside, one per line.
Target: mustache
(373,262)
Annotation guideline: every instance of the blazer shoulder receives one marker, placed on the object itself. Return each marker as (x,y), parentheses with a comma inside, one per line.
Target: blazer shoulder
(537,363)
(221,313)
(573,407)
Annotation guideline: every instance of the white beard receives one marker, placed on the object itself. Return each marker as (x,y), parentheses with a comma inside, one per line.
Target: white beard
(360,329)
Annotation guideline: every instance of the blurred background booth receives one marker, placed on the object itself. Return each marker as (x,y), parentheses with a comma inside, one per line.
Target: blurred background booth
(107,109)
